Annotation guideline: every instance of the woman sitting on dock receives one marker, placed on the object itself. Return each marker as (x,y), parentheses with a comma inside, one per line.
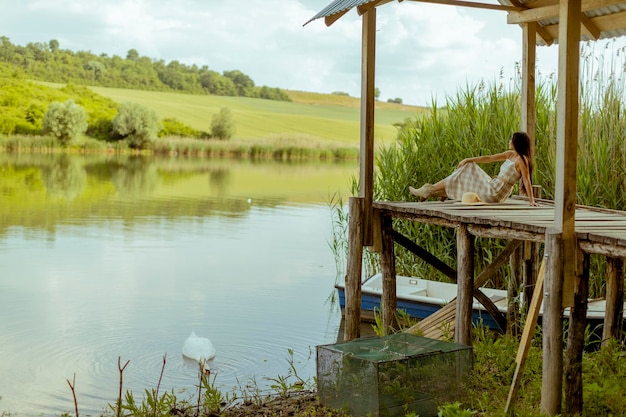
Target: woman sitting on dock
(469,177)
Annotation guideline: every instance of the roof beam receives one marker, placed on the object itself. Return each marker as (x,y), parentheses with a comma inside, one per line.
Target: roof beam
(609,22)
(591,27)
(365,7)
(545,35)
(542,33)
(329,20)
(547,12)
(473,4)
(606,23)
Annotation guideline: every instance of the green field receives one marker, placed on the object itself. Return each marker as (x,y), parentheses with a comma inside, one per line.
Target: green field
(310,116)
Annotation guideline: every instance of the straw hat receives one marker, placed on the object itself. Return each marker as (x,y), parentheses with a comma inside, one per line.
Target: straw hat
(471,199)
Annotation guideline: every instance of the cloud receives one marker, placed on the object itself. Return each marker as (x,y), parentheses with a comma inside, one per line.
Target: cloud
(432,50)
(423,50)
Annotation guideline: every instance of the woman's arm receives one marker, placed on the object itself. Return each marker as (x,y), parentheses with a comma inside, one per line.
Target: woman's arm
(485,159)
(523,169)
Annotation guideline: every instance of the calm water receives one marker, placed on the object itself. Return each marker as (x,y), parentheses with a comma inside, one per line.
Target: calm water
(103,258)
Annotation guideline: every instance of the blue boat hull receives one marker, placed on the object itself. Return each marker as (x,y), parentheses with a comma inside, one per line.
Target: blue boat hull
(417,310)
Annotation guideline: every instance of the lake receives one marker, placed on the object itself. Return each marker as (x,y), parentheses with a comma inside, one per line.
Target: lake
(106,257)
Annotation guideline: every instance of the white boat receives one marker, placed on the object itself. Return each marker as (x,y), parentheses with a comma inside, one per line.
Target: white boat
(420,297)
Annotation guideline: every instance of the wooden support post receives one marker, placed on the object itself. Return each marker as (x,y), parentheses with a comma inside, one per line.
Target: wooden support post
(561,242)
(567,138)
(525,271)
(465,285)
(513,306)
(576,340)
(526,340)
(552,321)
(529,269)
(388,265)
(614,313)
(529,53)
(529,255)
(530,264)
(353,274)
(368,101)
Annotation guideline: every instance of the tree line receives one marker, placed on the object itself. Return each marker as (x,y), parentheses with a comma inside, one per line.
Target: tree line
(48,62)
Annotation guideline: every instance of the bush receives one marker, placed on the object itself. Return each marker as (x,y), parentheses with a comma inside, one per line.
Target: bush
(138,124)
(222,125)
(173,127)
(65,121)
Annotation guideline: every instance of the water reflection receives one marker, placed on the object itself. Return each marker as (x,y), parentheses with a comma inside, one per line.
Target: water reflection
(136,178)
(107,256)
(64,177)
(36,188)
(219,179)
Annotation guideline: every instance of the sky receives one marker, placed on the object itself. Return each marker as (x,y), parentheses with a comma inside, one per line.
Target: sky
(424,52)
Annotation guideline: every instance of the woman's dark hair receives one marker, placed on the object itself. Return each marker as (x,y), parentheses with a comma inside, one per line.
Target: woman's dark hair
(521,144)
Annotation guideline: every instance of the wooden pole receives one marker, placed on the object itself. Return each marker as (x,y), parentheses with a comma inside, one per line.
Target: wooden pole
(552,321)
(368,65)
(567,137)
(388,265)
(529,60)
(525,342)
(614,313)
(353,274)
(530,264)
(465,285)
(561,242)
(512,294)
(525,271)
(576,341)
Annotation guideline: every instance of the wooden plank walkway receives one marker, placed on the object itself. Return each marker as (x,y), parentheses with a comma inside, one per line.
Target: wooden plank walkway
(599,231)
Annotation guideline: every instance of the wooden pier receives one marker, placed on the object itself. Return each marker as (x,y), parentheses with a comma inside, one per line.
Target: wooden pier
(598,231)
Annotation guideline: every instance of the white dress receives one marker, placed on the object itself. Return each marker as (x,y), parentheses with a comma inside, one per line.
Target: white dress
(471,178)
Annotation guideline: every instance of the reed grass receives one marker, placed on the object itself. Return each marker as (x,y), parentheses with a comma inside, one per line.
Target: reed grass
(283,147)
(479,120)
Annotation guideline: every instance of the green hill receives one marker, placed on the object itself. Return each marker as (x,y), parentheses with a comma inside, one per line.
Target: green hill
(187,93)
(309,116)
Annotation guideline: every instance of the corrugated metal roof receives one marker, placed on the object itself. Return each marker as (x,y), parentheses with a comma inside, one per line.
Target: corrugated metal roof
(610,20)
(338,6)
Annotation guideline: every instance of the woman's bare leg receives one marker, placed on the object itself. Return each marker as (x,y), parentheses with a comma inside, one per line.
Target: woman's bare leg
(439,188)
(430,190)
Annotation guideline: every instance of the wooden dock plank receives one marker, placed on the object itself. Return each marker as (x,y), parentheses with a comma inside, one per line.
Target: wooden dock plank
(515,217)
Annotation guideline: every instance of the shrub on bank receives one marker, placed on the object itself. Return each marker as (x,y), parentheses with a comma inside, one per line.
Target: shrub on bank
(137,124)
(65,121)
(222,124)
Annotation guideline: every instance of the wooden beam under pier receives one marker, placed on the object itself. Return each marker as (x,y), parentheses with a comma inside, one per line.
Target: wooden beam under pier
(465,286)
(353,274)
(424,255)
(389,300)
(614,313)
(576,339)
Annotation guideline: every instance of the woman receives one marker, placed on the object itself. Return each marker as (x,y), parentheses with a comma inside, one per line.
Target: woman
(469,177)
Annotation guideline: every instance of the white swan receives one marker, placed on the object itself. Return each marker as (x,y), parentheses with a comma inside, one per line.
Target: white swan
(198,348)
